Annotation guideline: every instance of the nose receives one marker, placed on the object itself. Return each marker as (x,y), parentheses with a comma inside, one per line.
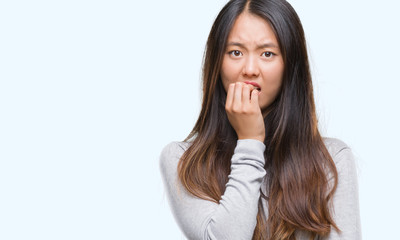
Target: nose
(250,67)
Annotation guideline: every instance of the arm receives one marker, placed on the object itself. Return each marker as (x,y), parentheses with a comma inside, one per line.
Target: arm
(235,215)
(346,213)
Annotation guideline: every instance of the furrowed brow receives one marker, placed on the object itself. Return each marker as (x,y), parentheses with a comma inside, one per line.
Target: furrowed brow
(235,44)
(265,45)
(268,45)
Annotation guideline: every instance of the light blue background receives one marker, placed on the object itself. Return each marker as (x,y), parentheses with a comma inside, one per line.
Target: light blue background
(91,91)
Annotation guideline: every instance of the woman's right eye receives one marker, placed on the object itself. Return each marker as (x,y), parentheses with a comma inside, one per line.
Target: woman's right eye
(235,53)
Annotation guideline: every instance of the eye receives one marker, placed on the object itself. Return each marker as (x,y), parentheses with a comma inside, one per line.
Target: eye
(235,53)
(267,54)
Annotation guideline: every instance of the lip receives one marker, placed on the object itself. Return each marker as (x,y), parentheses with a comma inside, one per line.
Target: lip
(254,84)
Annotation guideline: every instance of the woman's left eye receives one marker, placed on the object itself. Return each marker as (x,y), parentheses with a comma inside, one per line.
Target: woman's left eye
(267,54)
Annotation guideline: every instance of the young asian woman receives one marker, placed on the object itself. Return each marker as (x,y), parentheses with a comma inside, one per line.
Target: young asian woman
(255,165)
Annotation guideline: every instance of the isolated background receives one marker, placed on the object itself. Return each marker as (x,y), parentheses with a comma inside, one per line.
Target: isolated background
(91,91)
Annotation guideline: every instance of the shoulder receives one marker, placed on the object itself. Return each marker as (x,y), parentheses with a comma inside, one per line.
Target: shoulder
(170,155)
(337,149)
(334,145)
(174,149)
(344,160)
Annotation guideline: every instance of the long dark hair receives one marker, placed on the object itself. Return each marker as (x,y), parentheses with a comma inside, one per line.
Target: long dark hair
(298,163)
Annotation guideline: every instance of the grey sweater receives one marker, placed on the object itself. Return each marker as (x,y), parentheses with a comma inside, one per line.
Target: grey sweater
(235,215)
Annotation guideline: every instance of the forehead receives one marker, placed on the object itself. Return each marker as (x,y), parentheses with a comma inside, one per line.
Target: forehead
(249,29)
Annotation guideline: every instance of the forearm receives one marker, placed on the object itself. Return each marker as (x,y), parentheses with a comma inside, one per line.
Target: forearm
(235,215)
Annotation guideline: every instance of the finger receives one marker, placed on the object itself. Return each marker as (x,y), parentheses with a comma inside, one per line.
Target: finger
(237,100)
(254,97)
(246,93)
(229,96)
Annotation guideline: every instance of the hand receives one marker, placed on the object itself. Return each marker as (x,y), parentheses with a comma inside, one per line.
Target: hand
(243,111)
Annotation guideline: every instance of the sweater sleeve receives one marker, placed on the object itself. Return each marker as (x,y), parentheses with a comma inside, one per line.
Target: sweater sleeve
(346,213)
(234,217)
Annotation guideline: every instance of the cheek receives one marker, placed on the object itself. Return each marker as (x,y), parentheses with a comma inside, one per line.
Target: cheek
(229,73)
(274,74)
(272,81)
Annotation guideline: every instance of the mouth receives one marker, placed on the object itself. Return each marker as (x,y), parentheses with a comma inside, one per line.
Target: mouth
(255,85)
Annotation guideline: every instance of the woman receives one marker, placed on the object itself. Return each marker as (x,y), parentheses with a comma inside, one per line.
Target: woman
(255,165)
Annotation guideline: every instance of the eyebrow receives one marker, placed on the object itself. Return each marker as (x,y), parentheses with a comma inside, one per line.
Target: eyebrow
(265,45)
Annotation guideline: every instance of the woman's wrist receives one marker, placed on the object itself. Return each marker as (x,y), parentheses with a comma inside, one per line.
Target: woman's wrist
(259,138)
